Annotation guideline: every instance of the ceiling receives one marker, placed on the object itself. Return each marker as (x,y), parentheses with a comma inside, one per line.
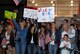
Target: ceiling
(62,7)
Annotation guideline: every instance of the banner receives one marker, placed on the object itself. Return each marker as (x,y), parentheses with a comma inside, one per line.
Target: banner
(46,14)
(30,13)
(8,14)
(17,2)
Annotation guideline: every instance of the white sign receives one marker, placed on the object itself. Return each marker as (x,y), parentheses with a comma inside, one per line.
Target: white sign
(30,13)
(46,14)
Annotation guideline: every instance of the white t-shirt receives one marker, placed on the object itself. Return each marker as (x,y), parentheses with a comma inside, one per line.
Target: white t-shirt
(71,33)
(63,33)
(32,40)
(64,51)
(52,42)
(7,37)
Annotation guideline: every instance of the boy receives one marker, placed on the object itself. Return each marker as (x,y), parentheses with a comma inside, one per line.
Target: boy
(65,45)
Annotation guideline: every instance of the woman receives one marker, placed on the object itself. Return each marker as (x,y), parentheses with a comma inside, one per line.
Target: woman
(21,34)
(53,45)
(47,38)
(32,40)
(8,40)
(48,30)
(41,40)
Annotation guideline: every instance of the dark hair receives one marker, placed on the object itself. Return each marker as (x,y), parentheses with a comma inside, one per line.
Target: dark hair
(55,25)
(31,27)
(72,25)
(66,20)
(66,35)
(22,20)
(54,22)
(42,26)
(49,24)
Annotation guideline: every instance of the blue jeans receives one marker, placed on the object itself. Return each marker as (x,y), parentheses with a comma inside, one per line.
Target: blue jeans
(20,48)
(31,49)
(41,51)
(52,48)
(74,45)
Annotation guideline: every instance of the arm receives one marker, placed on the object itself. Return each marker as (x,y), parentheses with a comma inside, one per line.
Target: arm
(72,34)
(69,46)
(62,45)
(16,25)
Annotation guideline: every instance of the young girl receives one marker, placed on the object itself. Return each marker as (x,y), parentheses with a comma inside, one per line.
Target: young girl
(41,39)
(31,40)
(21,34)
(53,45)
(65,45)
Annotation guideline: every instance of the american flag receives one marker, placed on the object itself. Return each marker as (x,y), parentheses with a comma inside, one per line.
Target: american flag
(17,2)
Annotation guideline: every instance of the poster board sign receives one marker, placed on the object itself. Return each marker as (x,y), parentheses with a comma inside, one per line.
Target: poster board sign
(30,13)
(46,14)
(8,14)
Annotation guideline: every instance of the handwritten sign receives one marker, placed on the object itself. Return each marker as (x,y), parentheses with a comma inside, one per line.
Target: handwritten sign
(46,14)
(8,14)
(30,13)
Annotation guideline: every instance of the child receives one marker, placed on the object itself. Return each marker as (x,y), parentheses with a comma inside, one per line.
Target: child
(65,45)
(72,36)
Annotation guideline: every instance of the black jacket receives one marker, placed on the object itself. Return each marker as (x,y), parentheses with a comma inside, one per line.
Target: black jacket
(0,38)
(57,36)
(29,37)
(11,39)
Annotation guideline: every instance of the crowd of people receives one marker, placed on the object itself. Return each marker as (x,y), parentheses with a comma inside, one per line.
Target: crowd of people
(28,37)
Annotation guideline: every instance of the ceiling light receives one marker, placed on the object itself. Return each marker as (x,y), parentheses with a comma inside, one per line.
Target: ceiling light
(51,1)
(55,15)
(71,4)
(36,4)
(71,1)
(53,4)
(32,1)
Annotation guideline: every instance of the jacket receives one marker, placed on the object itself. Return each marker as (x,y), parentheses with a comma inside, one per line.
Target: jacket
(11,40)
(57,37)
(23,33)
(29,36)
